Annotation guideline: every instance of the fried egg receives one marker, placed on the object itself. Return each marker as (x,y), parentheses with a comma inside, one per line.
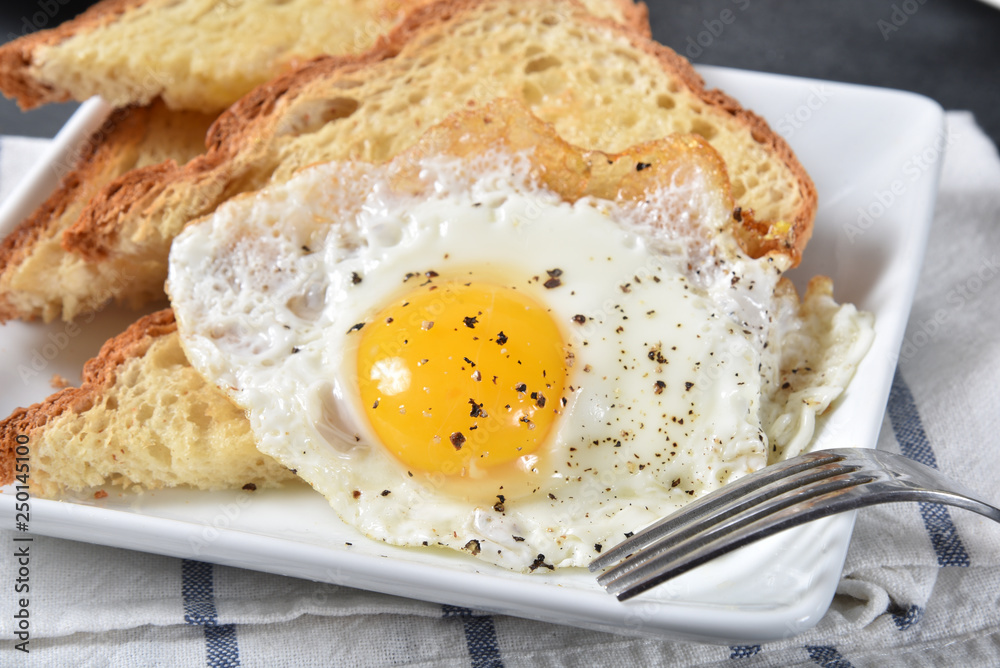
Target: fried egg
(489,368)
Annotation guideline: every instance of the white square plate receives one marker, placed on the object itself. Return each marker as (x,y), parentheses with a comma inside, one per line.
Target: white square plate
(874,156)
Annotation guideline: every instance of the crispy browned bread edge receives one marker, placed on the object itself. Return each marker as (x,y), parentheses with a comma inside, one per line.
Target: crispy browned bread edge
(99,374)
(237,127)
(16,55)
(126,125)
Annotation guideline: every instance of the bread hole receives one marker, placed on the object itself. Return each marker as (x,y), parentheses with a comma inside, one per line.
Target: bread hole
(198,415)
(415,97)
(627,55)
(674,87)
(315,114)
(111,403)
(346,84)
(550,20)
(665,102)
(739,190)
(380,148)
(627,78)
(533,51)
(541,64)
(763,168)
(594,75)
(159,453)
(532,94)
(702,127)
(280,3)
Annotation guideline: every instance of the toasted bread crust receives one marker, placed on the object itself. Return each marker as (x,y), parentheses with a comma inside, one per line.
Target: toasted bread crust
(16,56)
(99,374)
(37,277)
(240,128)
(123,126)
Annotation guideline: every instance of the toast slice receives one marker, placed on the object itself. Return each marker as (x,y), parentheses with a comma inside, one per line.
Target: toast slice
(142,419)
(38,278)
(617,89)
(198,55)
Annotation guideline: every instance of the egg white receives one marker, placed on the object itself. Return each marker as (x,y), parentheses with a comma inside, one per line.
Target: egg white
(270,290)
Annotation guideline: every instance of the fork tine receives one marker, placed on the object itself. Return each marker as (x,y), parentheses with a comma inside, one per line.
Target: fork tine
(737,511)
(798,506)
(766,481)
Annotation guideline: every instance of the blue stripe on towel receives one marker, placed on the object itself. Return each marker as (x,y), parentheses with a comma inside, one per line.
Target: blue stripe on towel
(827,656)
(913,443)
(904,619)
(743,651)
(480,637)
(198,590)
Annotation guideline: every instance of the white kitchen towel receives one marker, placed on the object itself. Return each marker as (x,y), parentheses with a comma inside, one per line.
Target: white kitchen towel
(921,585)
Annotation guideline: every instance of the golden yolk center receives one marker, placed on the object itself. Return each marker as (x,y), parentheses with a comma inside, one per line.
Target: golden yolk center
(457,377)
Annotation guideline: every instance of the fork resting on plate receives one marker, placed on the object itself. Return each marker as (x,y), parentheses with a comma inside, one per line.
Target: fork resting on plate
(779,497)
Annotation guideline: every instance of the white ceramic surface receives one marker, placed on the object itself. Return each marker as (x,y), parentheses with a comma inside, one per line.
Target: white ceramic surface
(863,147)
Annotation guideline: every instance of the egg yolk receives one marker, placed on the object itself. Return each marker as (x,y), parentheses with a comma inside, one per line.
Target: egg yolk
(456,378)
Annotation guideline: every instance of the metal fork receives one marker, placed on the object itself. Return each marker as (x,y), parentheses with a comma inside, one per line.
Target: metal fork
(771,500)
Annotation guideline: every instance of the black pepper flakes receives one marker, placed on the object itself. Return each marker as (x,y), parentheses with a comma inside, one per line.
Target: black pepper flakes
(470,321)
(357,327)
(501,338)
(386,492)
(355,278)
(356,494)
(688,385)
(250,487)
(552,283)
(539,562)
(498,506)
(639,166)
(579,319)
(518,539)
(472,546)
(457,439)
(295,349)
(659,386)
(477,409)
(521,387)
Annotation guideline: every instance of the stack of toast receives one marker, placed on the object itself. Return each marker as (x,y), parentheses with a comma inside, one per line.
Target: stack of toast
(270,88)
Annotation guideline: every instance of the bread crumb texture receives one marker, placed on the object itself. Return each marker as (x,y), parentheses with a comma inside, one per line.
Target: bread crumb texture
(132,52)
(38,277)
(143,419)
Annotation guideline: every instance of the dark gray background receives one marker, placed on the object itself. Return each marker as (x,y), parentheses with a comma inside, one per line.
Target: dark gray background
(948,50)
